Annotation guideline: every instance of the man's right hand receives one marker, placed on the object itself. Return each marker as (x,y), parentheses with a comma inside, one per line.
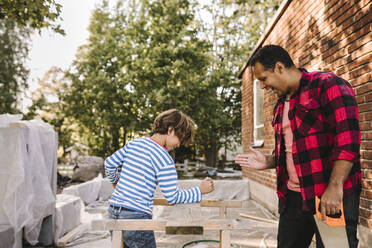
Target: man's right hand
(253,160)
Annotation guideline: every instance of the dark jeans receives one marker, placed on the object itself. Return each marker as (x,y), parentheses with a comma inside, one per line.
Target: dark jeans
(134,239)
(297,227)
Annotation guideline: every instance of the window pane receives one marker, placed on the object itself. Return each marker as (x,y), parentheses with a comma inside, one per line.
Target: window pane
(258,133)
(260,116)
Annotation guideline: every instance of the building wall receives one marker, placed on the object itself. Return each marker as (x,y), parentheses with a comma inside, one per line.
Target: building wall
(326,35)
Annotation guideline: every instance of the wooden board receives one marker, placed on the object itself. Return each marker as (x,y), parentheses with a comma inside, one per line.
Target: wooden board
(183,227)
(129,224)
(206,203)
(216,203)
(70,236)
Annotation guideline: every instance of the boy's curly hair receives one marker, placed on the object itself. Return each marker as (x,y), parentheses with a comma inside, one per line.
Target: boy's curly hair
(183,125)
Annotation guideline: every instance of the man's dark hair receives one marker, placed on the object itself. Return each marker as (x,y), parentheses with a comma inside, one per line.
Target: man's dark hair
(269,55)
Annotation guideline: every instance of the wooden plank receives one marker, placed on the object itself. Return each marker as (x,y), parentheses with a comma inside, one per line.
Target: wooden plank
(225,239)
(258,218)
(128,224)
(216,203)
(223,212)
(222,224)
(116,239)
(206,203)
(182,227)
(68,237)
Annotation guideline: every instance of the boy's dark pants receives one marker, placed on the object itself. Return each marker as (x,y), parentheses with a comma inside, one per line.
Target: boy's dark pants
(297,227)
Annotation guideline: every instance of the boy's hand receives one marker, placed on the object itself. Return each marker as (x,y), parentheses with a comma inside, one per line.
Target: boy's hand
(114,185)
(207,185)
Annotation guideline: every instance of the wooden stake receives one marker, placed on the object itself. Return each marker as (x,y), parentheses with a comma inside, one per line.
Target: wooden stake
(225,239)
(116,239)
(258,218)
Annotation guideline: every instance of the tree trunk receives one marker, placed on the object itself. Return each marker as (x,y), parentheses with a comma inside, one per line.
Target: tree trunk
(115,139)
(124,137)
(211,155)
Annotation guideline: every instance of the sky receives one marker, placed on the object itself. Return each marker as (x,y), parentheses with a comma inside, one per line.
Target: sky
(51,49)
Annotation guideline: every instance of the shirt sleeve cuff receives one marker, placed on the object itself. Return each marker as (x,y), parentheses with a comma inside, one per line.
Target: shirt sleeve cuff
(114,179)
(344,155)
(199,194)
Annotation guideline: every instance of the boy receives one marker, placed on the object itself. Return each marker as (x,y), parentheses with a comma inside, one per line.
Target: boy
(145,163)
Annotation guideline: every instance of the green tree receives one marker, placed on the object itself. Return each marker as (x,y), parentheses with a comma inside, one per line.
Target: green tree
(141,59)
(47,103)
(36,14)
(233,27)
(100,96)
(144,57)
(13,73)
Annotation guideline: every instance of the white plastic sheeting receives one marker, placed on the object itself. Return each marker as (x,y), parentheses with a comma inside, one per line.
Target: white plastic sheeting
(261,234)
(223,189)
(28,178)
(68,213)
(88,191)
(106,190)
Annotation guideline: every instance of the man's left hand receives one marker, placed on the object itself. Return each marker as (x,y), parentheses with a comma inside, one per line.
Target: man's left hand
(331,200)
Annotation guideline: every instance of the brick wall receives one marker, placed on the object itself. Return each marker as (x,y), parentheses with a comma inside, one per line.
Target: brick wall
(326,35)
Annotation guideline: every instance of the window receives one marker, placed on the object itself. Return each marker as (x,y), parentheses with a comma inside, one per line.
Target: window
(258,115)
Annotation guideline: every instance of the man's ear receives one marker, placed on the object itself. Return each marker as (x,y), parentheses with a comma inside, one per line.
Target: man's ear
(279,67)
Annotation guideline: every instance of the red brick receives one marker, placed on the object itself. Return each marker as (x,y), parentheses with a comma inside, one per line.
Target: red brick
(366,155)
(368,96)
(360,99)
(366,213)
(366,135)
(365,222)
(365,107)
(365,126)
(363,88)
(363,79)
(367,184)
(366,194)
(364,69)
(366,145)
(366,116)
(366,203)
(366,164)
(367,174)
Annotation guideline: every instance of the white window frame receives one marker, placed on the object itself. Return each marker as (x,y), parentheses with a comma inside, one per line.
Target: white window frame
(257,142)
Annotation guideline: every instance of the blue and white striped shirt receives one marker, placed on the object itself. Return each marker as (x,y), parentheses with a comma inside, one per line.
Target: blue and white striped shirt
(145,164)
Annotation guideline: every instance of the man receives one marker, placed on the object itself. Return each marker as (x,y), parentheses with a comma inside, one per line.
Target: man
(317,142)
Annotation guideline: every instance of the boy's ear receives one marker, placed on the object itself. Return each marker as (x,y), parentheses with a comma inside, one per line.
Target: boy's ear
(170,129)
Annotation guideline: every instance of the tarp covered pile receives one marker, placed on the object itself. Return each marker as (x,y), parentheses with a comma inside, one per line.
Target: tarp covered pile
(28,163)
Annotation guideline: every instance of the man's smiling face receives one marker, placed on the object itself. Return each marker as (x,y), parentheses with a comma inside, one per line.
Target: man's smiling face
(271,79)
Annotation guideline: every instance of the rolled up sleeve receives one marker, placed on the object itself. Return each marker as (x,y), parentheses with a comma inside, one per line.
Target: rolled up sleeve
(341,114)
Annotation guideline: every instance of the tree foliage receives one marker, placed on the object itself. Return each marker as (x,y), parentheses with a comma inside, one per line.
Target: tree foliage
(233,27)
(13,73)
(47,103)
(36,14)
(144,57)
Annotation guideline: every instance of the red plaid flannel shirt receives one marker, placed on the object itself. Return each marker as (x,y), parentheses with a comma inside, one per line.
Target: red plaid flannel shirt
(324,119)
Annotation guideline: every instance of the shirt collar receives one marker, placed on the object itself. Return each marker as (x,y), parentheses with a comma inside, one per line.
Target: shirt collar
(303,81)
